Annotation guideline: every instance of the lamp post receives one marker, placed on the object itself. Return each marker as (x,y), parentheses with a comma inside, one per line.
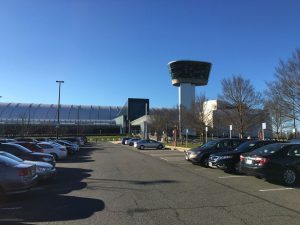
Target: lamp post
(58,107)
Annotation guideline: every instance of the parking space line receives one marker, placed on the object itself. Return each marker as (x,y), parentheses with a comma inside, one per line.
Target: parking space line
(167,155)
(233,176)
(276,189)
(163,159)
(12,208)
(172,159)
(200,169)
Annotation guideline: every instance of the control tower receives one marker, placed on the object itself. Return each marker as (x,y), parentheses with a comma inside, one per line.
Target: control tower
(187,74)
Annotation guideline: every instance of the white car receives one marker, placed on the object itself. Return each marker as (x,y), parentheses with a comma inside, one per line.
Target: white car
(58,151)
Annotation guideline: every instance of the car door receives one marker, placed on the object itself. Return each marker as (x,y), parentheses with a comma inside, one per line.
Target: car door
(293,158)
(226,145)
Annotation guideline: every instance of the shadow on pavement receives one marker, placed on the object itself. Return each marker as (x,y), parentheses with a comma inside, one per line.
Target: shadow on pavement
(83,156)
(48,202)
(138,182)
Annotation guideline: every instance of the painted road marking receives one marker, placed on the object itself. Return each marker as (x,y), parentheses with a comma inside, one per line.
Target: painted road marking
(170,159)
(277,189)
(12,208)
(167,155)
(226,177)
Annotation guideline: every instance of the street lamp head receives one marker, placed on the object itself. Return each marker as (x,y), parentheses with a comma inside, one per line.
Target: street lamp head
(60,81)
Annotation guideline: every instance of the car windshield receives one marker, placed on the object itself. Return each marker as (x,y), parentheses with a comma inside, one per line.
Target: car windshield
(23,149)
(209,144)
(269,149)
(11,156)
(245,146)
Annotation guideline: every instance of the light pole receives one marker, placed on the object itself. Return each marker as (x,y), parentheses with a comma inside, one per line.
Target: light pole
(58,107)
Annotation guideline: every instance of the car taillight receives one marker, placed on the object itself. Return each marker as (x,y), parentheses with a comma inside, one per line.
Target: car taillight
(242,158)
(261,161)
(23,172)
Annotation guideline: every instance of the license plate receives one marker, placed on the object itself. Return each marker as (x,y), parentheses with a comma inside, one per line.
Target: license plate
(210,164)
(248,161)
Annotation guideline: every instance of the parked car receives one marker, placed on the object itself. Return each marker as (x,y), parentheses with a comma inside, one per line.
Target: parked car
(43,170)
(7,140)
(200,155)
(26,154)
(131,141)
(16,177)
(76,140)
(142,144)
(274,161)
(33,146)
(58,151)
(230,161)
(42,139)
(124,139)
(26,139)
(71,147)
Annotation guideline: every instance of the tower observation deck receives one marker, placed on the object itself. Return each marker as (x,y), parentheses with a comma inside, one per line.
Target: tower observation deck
(186,74)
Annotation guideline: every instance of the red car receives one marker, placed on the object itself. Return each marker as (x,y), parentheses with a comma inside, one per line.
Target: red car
(31,146)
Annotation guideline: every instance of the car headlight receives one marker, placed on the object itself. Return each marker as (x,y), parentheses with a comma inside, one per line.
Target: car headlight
(226,157)
(47,159)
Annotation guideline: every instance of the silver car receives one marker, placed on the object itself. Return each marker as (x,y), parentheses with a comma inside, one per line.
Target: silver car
(16,177)
(142,144)
(43,170)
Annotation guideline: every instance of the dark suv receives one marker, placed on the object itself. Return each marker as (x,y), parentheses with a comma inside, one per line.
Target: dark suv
(200,155)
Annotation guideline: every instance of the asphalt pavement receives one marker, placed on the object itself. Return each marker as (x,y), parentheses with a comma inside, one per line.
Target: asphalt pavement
(114,184)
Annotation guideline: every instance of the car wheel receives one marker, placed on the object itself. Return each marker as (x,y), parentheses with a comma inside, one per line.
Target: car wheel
(237,167)
(2,194)
(159,147)
(142,147)
(289,177)
(205,161)
(55,156)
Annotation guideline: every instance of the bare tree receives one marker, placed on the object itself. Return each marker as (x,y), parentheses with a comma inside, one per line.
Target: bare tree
(276,109)
(240,97)
(288,86)
(163,119)
(196,117)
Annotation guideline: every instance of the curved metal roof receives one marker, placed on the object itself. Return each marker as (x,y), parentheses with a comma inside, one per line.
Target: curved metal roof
(48,112)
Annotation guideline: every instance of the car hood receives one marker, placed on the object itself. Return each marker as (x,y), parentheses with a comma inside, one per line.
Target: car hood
(227,153)
(40,155)
(38,163)
(198,149)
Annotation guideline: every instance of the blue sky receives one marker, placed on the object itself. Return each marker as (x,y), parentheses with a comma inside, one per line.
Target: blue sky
(107,51)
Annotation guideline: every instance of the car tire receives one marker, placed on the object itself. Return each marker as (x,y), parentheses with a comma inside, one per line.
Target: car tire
(160,147)
(142,147)
(205,161)
(55,156)
(237,167)
(289,177)
(2,194)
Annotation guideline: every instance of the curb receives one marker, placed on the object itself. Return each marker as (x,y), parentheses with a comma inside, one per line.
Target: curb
(181,149)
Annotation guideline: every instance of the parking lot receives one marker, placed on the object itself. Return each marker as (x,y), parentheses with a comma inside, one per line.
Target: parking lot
(109,183)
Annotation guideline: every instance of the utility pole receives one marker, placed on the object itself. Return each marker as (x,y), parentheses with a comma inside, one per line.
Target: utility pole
(58,108)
